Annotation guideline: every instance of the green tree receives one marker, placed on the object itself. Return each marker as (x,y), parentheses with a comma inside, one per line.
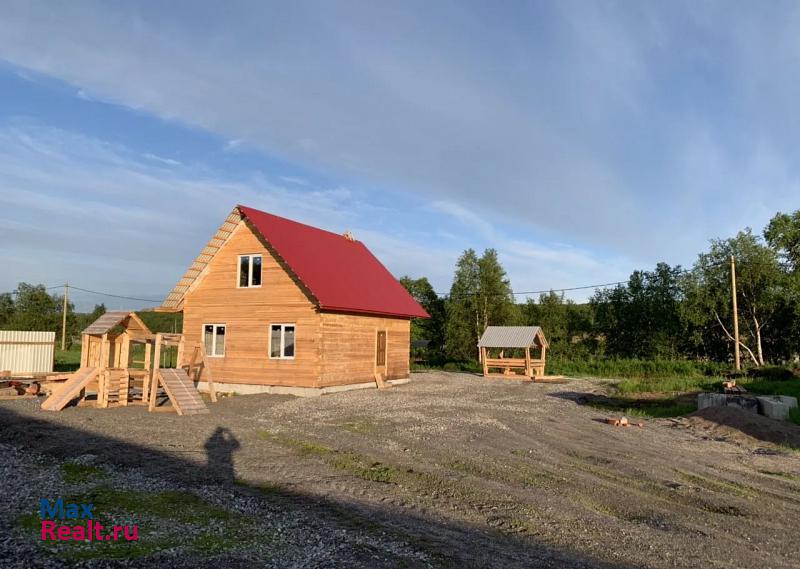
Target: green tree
(761,287)
(431,329)
(461,308)
(642,318)
(783,234)
(566,325)
(480,296)
(6,308)
(36,310)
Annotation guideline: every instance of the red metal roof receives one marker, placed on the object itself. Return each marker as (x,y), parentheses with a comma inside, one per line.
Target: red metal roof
(343,275)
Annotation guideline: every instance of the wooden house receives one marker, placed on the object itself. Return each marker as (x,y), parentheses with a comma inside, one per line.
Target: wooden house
(280,304)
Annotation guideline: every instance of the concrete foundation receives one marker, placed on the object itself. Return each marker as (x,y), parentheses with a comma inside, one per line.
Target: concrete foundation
(250,389)
(776,406)
(745,403)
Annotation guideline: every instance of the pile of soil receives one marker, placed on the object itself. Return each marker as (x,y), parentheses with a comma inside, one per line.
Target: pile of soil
(733,423)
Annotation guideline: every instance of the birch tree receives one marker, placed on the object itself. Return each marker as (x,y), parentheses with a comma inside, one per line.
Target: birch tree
(760,284)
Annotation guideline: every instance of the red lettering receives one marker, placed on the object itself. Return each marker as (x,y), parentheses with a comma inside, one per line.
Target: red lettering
(48,526)
(64,533)
(97,529)
(134,536)
(79,533)
(117,529)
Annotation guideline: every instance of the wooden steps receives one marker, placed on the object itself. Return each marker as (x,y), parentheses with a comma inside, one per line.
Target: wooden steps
(181,392)
(380,382)
(70,389)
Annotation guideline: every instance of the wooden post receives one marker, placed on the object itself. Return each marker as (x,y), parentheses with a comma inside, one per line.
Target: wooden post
(528,370)
(483,359)
(735,316)
(102,376)
(148,366)
(544,358)
(181,348)
(64,318)
(125,363)
(125,352)
(206,369)
(156,371)
(85,347)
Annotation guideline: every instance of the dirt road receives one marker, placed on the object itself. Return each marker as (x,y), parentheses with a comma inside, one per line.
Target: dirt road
(473,472)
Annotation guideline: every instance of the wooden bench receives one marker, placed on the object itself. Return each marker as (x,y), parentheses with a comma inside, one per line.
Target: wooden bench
(508,364)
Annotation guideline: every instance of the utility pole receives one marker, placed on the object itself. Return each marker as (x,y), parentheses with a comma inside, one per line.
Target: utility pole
(64,317)
(735,315)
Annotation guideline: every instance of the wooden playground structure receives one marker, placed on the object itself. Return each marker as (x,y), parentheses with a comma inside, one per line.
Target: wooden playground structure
(109,369)
(526,339)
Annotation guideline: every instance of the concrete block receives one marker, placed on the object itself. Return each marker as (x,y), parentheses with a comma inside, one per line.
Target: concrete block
(776,406)
(711,400)
(744,402)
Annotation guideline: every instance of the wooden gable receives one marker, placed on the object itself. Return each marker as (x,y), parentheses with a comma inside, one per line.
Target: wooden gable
(247,313)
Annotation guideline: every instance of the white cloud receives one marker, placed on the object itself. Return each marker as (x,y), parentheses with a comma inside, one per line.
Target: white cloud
(233,145)
(105,218)
(368,95)
(629,132)
(167,161)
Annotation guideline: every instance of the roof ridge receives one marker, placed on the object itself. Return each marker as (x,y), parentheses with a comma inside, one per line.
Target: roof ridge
(315,228)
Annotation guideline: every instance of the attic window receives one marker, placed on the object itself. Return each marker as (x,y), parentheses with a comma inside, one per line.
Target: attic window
(249,271)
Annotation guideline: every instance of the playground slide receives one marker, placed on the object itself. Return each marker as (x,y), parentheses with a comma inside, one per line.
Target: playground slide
(181,391)
(70,390)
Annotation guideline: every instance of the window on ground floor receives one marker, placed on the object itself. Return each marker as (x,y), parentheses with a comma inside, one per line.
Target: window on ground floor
(214,339)
(281,341)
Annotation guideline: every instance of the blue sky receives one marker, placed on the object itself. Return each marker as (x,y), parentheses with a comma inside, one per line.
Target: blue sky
(582,140)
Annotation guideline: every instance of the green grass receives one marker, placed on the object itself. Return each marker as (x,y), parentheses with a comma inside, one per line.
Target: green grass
(354,463)
(469,367)
(76,473)
(653,408)
(634,368)
(187,513)
(765,387)
(67,360)
(668,385)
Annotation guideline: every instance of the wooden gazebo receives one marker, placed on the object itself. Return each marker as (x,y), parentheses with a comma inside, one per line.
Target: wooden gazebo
(529,344)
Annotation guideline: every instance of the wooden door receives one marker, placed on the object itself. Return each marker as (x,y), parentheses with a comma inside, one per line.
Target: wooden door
(380,352)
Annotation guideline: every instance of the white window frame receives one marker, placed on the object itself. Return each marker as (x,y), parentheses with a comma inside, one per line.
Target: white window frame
(213,353)
(249,270)
(283,326)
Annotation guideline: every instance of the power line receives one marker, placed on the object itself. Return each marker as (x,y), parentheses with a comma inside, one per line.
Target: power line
(116,295)
(440,294)
(568,289)
(72,287)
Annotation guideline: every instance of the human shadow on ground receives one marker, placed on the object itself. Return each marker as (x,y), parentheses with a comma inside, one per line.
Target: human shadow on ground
(447,543)
(220,447)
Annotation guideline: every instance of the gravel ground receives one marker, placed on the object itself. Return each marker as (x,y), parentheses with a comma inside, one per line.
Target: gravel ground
(448,470)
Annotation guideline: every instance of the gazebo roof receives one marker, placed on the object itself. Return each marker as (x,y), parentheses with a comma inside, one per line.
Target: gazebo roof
(111,319)
(511,337)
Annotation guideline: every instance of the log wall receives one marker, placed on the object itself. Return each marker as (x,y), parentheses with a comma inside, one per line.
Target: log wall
(349,345)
